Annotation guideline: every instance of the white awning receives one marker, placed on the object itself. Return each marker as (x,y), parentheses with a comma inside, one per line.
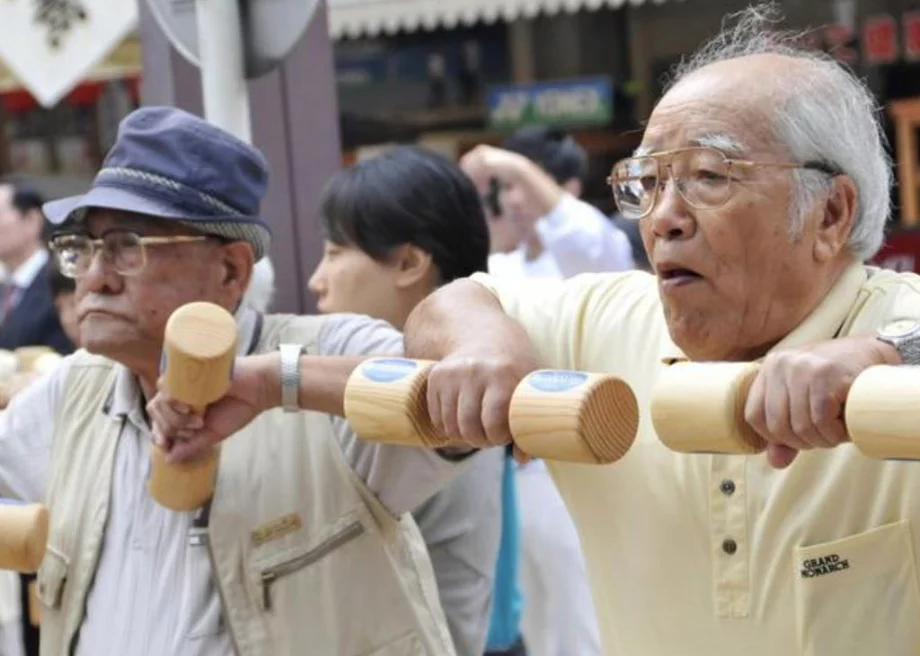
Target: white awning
(355,18)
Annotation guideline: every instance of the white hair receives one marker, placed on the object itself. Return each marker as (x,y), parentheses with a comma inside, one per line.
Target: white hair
(261,288)
(826,115)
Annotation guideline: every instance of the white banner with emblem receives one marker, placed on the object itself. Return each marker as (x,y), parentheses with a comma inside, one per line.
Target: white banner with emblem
(50,45)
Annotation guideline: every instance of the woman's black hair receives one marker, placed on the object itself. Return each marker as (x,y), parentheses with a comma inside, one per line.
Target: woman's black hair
(409,195)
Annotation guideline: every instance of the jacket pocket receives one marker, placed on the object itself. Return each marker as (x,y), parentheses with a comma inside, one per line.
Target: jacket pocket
(406,645)
(273,569)
(51,578)
(859,595)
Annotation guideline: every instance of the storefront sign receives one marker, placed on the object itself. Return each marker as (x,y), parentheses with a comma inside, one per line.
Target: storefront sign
(574,102)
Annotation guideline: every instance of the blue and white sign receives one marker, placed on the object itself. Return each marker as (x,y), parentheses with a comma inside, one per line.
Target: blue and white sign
(585,101)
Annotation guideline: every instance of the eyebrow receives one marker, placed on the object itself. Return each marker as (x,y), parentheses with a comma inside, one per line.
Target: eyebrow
(722,142)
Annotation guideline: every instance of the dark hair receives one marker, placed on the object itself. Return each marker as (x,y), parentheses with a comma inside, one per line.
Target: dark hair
(409,195)
(25,197)
(552,149)
(60,284)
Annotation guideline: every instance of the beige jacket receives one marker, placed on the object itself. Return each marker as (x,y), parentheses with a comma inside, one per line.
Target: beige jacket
(305,558)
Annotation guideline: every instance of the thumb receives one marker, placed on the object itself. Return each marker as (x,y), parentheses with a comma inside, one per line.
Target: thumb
(780,456)
(192,449)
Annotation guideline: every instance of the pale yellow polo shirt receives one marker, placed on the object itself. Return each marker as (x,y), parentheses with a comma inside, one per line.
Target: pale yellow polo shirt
(695,555)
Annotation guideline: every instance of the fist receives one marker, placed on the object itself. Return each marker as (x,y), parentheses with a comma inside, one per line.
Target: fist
(469,398)
(796,401)
(485,162)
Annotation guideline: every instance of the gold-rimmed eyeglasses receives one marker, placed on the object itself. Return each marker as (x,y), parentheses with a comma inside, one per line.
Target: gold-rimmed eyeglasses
(124,250)
(703,177)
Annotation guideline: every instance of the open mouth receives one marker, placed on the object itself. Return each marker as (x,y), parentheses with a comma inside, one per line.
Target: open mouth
(676,273)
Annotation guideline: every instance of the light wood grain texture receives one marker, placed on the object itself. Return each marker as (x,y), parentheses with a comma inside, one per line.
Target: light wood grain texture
(46,362)
(30,356)
(385,402)
(573,416)
(199,348)
(23,536)
(698,407)
(9,364)
(35,609)
(882,412)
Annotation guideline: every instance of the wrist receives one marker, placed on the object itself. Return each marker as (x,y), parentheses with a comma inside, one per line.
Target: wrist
(886,353)
(270,375)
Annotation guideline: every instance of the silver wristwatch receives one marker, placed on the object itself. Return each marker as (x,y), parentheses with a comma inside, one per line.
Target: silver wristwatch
(904,335)
(290,376)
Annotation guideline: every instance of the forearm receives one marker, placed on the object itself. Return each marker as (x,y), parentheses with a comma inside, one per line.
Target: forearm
(322,381)
(461,317)
(543,191)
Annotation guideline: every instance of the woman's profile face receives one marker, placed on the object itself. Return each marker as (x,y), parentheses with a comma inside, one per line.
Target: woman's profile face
(349,280)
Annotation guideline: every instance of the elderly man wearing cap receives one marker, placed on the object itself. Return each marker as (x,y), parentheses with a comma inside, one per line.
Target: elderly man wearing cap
(306,547)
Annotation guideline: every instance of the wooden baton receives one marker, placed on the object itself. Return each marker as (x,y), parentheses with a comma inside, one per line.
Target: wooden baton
(882,412)
(698,407)
(23,535)
(559,415)
(199,348)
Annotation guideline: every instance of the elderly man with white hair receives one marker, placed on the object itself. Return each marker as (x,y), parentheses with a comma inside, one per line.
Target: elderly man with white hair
(761,186)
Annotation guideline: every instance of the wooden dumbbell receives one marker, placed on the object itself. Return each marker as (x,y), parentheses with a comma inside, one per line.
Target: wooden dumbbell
(558,415)
(199,348)
(882,412)
(698,407)
(36,359)
(23,535)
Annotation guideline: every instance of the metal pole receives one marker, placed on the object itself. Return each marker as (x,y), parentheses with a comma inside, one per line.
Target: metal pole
(223,82)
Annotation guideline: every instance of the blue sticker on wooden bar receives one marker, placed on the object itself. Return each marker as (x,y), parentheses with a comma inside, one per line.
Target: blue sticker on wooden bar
(388,370)
(557,381)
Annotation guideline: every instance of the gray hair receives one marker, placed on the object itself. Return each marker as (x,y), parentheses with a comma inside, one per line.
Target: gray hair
(261,290)
(826,115)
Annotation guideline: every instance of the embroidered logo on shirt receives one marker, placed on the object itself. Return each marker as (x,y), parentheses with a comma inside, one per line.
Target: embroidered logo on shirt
(814,567)
(276,529)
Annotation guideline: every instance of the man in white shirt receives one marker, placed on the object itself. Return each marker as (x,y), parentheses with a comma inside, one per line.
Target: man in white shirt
(540,226)
(541,229)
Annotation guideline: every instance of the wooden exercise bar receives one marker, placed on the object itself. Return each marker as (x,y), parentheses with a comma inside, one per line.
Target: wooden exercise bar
(698,407)
(199,348)
(882,412)
(23,535)
(558,415)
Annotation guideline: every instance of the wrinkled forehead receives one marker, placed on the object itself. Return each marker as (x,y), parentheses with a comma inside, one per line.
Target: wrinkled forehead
(709,110)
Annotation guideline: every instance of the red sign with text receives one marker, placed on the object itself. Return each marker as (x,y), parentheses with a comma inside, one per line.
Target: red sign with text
(880,40)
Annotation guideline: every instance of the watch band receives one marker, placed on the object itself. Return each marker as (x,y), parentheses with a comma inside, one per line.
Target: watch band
(904,336)
(290,376)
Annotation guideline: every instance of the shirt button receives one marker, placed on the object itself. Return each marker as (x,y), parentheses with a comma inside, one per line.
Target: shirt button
(729,546)
(727,487)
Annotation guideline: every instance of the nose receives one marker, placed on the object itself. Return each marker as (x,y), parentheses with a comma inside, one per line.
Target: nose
(100,276)
(671,218)
(316,283)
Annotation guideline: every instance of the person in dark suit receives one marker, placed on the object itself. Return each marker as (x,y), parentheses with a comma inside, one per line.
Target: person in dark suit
(28,316)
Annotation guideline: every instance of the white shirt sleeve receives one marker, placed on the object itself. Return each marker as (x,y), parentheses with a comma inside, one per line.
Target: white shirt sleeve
(26,435)
(582,240)
(401,477)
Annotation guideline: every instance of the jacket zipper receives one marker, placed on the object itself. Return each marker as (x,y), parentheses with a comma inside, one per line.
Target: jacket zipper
(272,574)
